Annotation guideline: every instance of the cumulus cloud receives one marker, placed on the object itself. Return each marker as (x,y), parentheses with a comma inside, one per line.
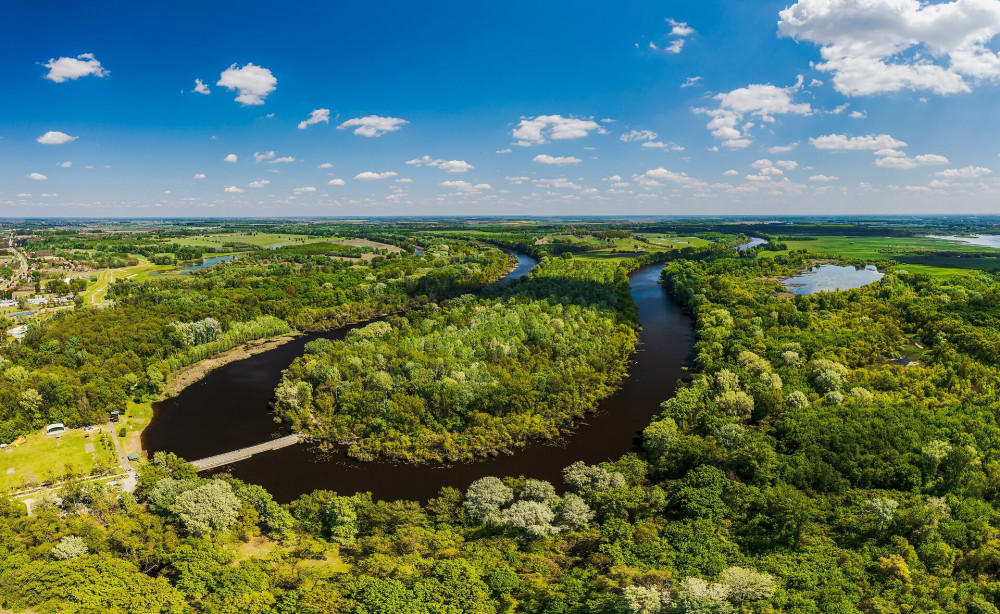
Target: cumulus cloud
(54,137)
(841,142)
(317,116)
(680,31)
(371,176)
(36,176)
(451,166)
(783,148)
(763,102)
(252,83)
(282,160)
(304,190)
(690,82)
(199,176)
(893,159)
(231,158)
(880,46)
(465,186)
(373,125)
(336,182)
(504,151)
(661,145)
(822,178)
(731,173)
(259,157)
(967,172)
(201,88)
(65,69)
(325,165)
(231,189)
(556,160)
(259,183)
(652,178)
(65,164)
(540,129)
(633,136)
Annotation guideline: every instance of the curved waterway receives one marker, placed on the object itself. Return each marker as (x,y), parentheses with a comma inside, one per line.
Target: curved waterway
(228,409)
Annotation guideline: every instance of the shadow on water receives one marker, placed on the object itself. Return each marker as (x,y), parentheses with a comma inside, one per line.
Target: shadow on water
(228,409)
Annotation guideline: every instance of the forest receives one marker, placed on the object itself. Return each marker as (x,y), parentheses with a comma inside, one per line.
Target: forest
(829,453)
(85,363)
(473,375)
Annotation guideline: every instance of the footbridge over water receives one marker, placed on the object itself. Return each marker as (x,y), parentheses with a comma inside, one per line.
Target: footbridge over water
(244,453)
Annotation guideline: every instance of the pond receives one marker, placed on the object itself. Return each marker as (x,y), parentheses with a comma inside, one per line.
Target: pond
(752,243)
(207,262)
(229,409)
(832,277)
(977,240)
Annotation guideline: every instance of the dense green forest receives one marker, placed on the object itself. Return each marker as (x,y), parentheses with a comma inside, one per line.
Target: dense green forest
(473,376)
(831,453)
(82,364)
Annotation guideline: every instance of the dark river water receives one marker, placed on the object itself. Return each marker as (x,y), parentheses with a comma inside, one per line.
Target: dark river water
(228,410)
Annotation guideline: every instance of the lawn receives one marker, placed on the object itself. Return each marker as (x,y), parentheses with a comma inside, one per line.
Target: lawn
(44,458)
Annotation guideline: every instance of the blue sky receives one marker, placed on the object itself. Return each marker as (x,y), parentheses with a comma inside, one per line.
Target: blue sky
(814,107)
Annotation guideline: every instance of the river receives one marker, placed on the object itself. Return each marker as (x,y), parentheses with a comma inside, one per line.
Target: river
(228,410)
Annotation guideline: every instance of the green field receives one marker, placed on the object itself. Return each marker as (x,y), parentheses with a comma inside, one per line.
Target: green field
(44,458)
(905,250)
(263,239)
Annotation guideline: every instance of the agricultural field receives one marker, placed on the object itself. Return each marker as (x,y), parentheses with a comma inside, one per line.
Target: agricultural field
(910,252)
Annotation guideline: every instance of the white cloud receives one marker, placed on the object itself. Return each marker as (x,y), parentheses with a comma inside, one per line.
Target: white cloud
(841,142)
(782,148)
(199,176)
(760,101)
(231,189)
(557,183)
(404,180)
(891,159)
(336,182)
(823,178)
(325,165)
(857,115)
(690,81)
(765,163)
(231,158)
(65,164)
(880,46)
(465,186)
(252,83)
(317,116)
(201,88)
(82,65)
(731,173)
(661,145)
(259,183)
(304,190)
(538,130)
(556,160)
(638,135)
(680,28)
(373,125)
(788,165)
(650,178)
(259,157)
(504,151)
(371,176)
(36,176)
(681,31)
(967,172)
(517,180)
(282,160)
(54,137)
(451,166)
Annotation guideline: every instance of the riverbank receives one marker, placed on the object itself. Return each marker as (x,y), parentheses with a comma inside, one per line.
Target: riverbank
(178,380)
